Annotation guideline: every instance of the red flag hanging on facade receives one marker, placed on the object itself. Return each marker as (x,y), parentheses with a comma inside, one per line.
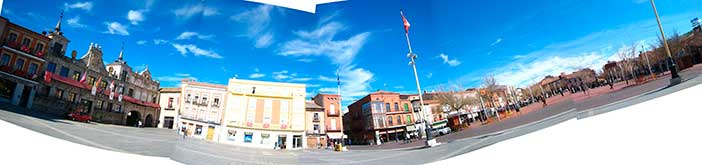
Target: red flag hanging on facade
(47,76)
(82,79)
(98,82)
(405,22)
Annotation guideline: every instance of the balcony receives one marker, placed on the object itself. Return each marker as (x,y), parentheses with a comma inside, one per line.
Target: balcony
(18,73)
(316,119)
(314,132)
(330,113)
(24,50)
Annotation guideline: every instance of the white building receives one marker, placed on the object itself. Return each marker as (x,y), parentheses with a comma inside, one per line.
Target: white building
(201,109)
(169,100)
(263,114)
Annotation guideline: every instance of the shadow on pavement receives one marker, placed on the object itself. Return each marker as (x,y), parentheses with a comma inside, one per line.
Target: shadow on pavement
(32,113)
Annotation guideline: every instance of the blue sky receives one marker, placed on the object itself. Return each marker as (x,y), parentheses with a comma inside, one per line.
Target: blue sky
(458,42)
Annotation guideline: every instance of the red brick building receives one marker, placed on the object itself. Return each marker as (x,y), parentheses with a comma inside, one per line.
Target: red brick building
(21,57)
(379,117)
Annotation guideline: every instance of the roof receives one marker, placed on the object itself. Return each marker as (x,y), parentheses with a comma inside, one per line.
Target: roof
(310,104)
(171,89)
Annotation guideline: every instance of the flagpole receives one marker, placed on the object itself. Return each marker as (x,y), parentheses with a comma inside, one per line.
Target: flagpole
(429,140)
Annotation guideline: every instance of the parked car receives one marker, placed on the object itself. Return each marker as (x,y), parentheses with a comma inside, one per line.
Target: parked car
(441,131)
(80,116)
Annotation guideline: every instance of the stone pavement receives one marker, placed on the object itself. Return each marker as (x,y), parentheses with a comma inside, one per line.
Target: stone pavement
(596,97)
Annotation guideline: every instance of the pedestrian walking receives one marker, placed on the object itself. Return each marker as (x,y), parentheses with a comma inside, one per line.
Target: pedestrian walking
(543,100)
(139,124)
(408,140)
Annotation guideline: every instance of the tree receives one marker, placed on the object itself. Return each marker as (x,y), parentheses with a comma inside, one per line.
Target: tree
(455,99)
(490,87)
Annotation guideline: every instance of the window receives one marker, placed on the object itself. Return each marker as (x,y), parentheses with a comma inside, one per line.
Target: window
(248,136)
(51,67)
(332,109)
(315,127)
(406,107)
(390,120)
(71,97)
(130,93)
(399,119)
(333,124)
(397,108)
(26,42)
(91,80)
(64,71)
(39,47)
(187,99)
(76,75)
(267,111)
(204,100)
(196,99)
(99,103)
(231,134)
(315,117)
(216,102)
(251,112)
(19,64)
(170,102)
(103,84)
(284,112)
(408,119)
(198,130)
(387,107)
(12,37)
(59,93)
(264,138)
(5,60)
(58,47)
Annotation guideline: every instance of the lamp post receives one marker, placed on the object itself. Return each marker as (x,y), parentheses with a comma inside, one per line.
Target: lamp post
(430,141)
(650,70)
(674,77)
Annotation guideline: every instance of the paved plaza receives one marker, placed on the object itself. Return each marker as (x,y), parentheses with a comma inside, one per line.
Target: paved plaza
(166,143)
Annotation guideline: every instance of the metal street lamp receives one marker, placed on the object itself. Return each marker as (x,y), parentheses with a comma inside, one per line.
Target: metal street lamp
(674,77)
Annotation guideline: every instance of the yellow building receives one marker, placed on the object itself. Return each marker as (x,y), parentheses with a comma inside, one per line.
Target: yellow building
(264,114)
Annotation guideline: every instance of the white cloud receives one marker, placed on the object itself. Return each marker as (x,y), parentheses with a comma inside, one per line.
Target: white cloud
(184,49)
(257,75)
(87,6)
(264,40)
(429,75)
(187,35)
(258,23)
(355,82)
(189,11)
(75,22)
(453,62)
(496,42)
(306,60)
(141,42)
(135,16)
(160,41)
(591,50)
(319,42)
(116,28)
(175,79)
(284,75)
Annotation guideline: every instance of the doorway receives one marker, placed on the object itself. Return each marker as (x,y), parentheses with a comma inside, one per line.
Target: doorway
(282,139)
(132,118)
(149,121)
(210,132)
(24,99)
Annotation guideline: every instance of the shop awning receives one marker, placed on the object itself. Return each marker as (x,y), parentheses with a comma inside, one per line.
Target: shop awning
(335,135)
(136,101)
(69,81)
(441,123)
